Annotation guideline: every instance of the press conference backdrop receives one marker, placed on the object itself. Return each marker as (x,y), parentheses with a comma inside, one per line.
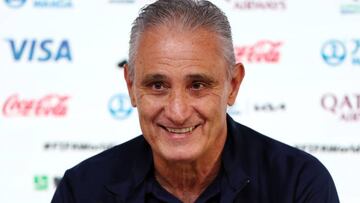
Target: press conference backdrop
(63,97)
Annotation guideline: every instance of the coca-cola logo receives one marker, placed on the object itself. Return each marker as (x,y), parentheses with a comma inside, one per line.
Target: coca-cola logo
(264,51)
(51,105)
(273,5)
(347,106)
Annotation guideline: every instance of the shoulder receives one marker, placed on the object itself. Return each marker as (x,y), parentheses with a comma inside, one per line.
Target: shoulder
(94,175)
(112,164)
(285,169)
(268,149)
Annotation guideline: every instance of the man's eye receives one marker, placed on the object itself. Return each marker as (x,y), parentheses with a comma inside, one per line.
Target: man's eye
(197,85)
(157,86)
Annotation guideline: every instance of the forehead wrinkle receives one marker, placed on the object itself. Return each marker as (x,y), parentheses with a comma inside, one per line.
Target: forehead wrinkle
(178,63)
(166,60)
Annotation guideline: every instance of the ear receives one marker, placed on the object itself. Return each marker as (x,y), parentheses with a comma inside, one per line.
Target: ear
(129,84)
(237,76)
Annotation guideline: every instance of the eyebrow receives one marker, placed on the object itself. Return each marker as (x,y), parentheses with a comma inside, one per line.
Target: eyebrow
(200,77)
(191,77)
(153,77)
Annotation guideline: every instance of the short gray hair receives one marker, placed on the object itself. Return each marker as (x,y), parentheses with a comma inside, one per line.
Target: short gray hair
(190,14)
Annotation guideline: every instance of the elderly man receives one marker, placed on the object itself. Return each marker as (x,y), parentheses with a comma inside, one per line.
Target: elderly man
(182,76)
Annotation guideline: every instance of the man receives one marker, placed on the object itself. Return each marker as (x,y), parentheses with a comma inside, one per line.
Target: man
(182,76)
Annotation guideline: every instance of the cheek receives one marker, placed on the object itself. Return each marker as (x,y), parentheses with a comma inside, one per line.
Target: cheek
(214,103)
(148,105)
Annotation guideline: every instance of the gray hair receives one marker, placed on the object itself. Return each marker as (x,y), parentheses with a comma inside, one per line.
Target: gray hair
(190,14)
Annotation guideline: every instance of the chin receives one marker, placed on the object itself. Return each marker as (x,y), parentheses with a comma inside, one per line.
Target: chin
(180,155)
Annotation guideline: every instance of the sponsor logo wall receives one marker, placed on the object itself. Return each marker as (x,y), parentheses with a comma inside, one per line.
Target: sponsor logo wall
(63,97)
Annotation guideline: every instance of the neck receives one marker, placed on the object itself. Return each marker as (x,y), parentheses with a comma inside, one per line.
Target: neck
(187,180)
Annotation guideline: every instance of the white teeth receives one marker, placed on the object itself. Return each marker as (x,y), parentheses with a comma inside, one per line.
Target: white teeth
(180,130)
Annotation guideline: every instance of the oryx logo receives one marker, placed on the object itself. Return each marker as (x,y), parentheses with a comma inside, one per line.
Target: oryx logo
(333,52)
(15,3)
(120,106)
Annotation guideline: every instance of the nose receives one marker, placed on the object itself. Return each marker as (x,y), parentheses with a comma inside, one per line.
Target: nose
(178,108)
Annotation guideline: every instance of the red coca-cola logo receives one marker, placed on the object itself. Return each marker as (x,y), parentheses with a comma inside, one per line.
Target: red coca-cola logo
(258,4)
(347,106)
(264,51)
(50,105)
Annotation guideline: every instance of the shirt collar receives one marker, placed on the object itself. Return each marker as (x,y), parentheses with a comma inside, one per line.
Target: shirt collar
(233,156)
(142,165)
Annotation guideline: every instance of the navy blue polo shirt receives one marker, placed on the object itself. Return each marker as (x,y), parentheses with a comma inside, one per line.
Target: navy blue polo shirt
(255,168)
(156,193)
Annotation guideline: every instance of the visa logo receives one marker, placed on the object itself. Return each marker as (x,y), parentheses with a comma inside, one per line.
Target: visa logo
(40,50)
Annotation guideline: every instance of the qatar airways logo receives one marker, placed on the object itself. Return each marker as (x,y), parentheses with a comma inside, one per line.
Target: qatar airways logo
(264,51)
(272,5)
(51,105)
(346,107)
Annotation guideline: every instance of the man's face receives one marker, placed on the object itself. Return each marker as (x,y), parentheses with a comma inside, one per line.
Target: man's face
(181,89)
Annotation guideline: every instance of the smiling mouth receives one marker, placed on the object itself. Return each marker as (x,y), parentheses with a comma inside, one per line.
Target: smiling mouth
(180,130)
